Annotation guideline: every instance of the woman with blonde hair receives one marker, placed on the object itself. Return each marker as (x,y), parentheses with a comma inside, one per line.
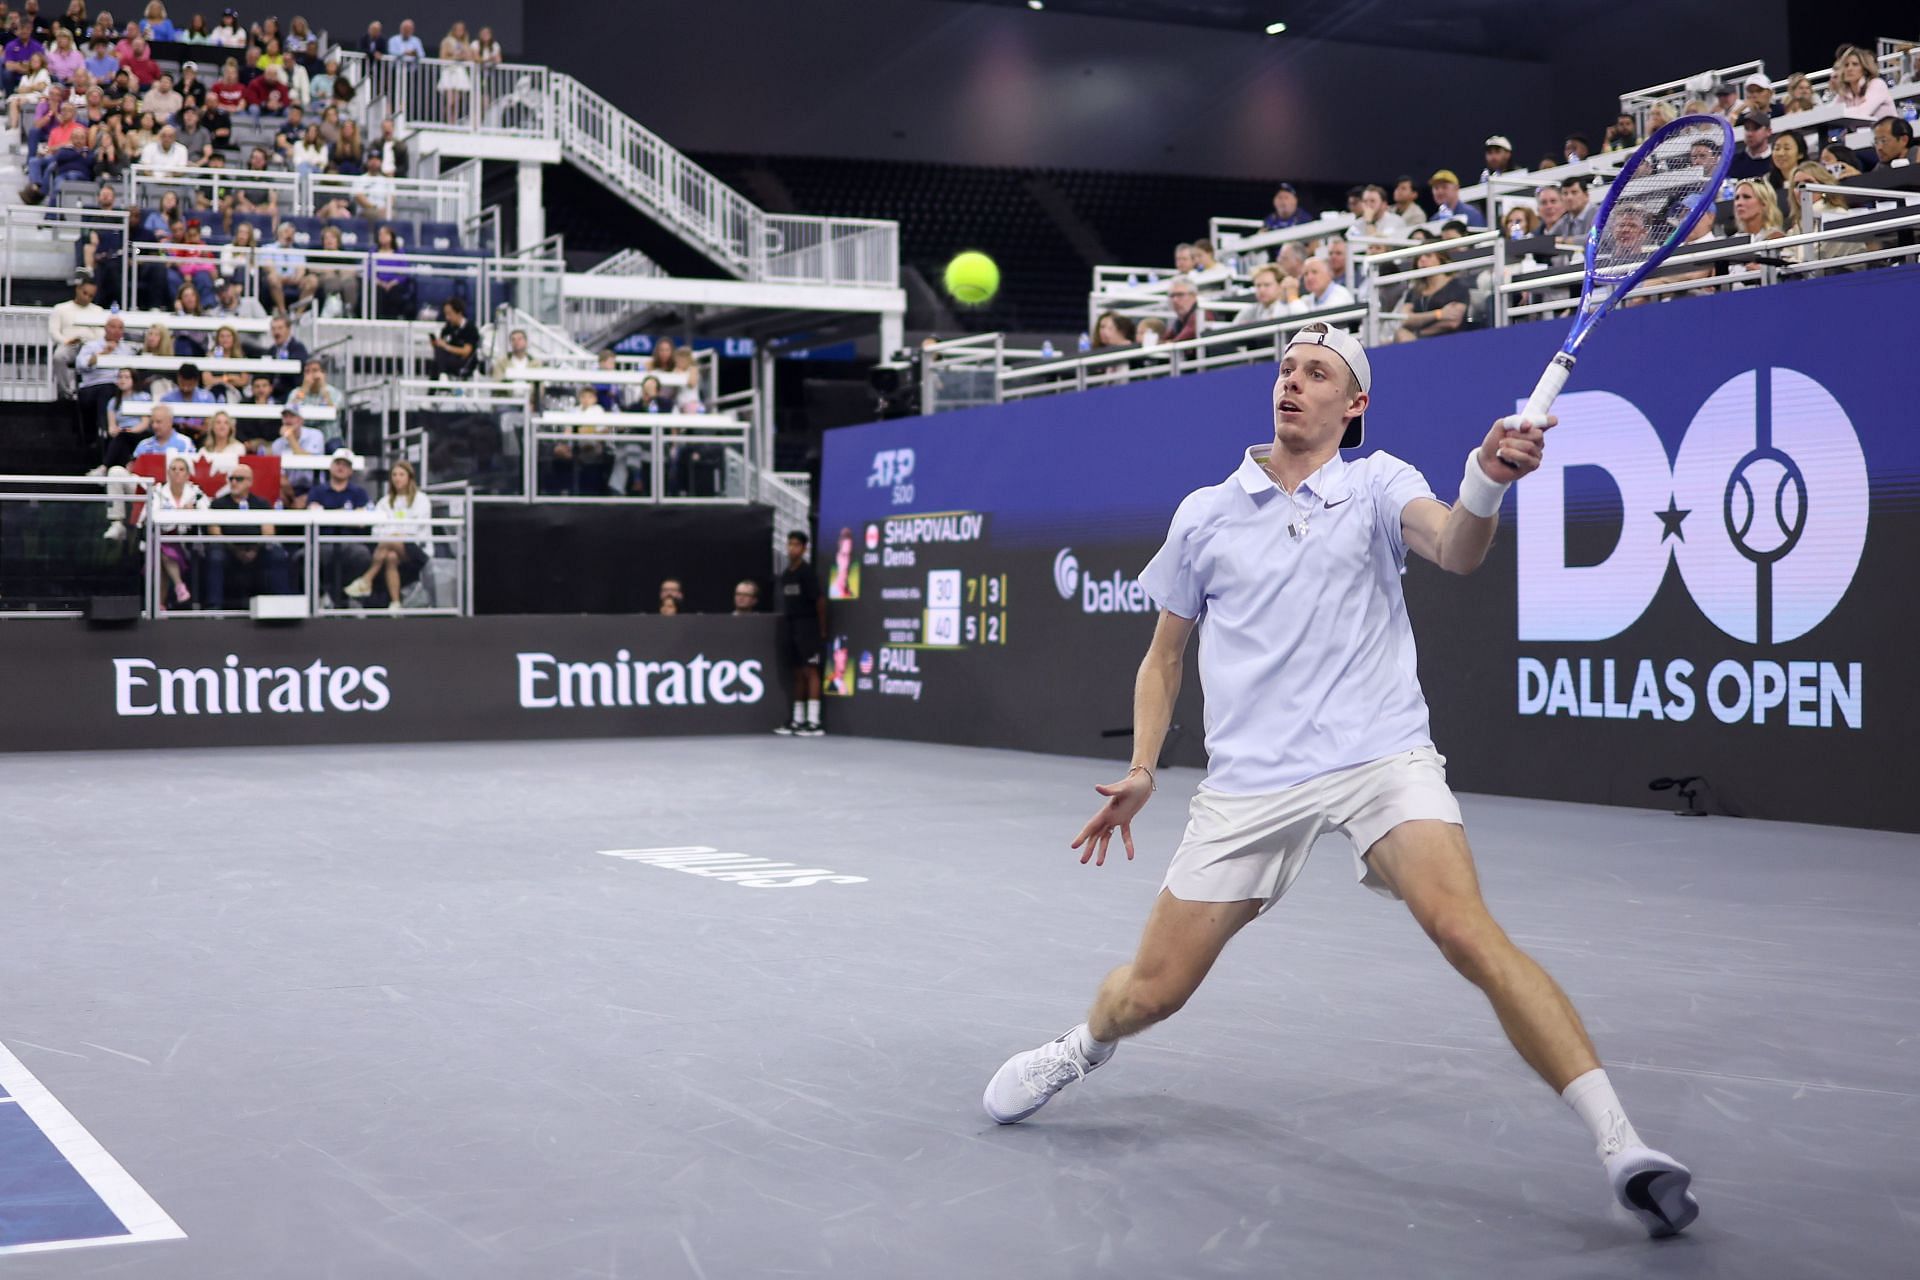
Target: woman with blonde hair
(221,447)
(1811,174)
(175,493)
(456,78)
(406,539)
(1857,85)
(1800,95)
(1756,210)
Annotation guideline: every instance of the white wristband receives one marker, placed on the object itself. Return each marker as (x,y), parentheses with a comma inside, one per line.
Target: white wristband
(1479,492)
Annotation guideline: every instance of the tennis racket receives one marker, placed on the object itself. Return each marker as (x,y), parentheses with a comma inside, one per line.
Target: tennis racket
(1662,192)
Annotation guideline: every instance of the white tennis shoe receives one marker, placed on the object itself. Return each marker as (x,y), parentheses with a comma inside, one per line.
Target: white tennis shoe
(1026,1081)
(1653,1187)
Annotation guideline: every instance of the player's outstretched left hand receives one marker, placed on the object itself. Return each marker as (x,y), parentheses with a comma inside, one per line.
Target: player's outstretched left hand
(1507,455)
(1125,799)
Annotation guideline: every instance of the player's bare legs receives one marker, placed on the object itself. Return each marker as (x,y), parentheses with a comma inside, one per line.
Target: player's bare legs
(1429,865)
(1180,943)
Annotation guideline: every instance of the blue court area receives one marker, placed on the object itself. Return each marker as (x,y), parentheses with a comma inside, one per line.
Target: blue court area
(43,1198)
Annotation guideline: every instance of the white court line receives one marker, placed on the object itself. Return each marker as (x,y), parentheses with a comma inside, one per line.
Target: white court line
(143,1219)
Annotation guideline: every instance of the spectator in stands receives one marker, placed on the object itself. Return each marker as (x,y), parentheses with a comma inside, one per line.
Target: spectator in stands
(162,99)
(1756,211)
(340,562)
(1445,185)
(164,155)
(1338,260)
(194,137)
(290,132)
(260,567)
(226,346)
(1291,261)
(1149,331)
(1755,158)
(349,153)
(158,341)
(1268,302)
(374,43)
(664,356)
(238,260)
(1318,289)
(1659,115)
(456,347)
(301,42)
(220,446)
(608,394)
(1436,304)
(1377,220)
(1759,91)
(1580,208)
(1286,209)
(271,58)
(227,31)
(406,44)
(518,359)
(1521,223)
(18,58)
(671,592)
(746,597)
(456,78)
(393,279)
(1499,154)
(192,265)
(404,534)
(1726,101)
(268,95)
(1788,155)
(197,31)
(486,50)
(320,84)
(284,270)
(1800,96)
(1623,134)
(687,398)
(372,192)
(1112,330)
(138,62)
(1406,202)
(96,384)
(155,24)
(309,153)
(189,390)
(1183,260)
(124,429)
(29,89)
(64,60)
(227,95)
(393,156)
(72,324)
(669,606)
(1576,148)
(100,63)
(1554,219)
(259,432)
(1356,198)
(175,493)
(313,389)
(296,437)
(282,345)
(1823,205)
(1857,85)
(1840,160)
(162,436)
(1893,141)
(1185,302)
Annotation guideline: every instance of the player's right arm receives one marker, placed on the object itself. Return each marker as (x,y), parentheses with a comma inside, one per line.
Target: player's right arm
(1154,690)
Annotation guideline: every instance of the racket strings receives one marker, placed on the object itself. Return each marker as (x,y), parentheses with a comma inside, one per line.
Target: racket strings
(1653,205)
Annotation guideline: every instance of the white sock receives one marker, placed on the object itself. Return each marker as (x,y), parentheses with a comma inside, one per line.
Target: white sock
(813,711)
(1592,1098)
(799,712)
(1094,1051)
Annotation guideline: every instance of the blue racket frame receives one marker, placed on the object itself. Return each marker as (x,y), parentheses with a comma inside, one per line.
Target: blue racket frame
(1555,376)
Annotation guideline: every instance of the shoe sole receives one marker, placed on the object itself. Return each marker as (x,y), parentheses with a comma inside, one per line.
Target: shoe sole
(1661,1199)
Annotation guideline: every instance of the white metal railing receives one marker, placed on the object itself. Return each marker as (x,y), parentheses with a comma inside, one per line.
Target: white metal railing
(55,559)
(29,230)
(453,198)
(1895,61)
(834,251)
(597,321)
(26,354)
(506,99)
(983,369)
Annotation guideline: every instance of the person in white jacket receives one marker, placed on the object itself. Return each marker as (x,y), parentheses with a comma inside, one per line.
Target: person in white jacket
(405,538)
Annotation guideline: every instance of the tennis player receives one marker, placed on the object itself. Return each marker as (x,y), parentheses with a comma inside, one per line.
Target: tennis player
(1316,723)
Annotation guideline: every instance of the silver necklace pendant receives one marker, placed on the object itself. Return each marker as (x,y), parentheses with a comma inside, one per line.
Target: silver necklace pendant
(1298,530)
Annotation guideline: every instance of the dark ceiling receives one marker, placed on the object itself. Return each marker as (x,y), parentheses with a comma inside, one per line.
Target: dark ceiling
(1519,29)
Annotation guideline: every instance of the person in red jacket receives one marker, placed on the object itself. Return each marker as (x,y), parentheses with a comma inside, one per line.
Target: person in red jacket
(268,95)
(139,61)
(227,94)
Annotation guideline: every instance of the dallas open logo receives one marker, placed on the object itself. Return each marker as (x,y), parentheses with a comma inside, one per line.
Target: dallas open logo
(1763,511)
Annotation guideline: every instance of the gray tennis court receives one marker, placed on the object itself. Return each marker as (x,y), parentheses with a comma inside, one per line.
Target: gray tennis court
(395,1012)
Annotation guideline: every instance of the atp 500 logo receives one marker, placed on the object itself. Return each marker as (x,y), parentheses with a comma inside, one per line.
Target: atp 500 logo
(891,471)
(1764,512)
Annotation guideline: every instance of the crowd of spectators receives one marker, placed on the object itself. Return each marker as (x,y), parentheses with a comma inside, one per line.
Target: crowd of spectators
(1761,202)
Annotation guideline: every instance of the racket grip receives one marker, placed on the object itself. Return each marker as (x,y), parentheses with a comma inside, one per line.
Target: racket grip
(1545,392)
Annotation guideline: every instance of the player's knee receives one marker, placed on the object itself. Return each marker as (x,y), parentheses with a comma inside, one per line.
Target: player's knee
(1469,939)
(1156,1000)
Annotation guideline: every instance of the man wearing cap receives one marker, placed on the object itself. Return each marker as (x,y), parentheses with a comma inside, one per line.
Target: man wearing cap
(1286,209)
(1445,185)
(1499,156)
(1726,100)
(1316,724)
(229,302)
(1755,158)
(1759,91)
(72,324)
(296,437)
(340,562)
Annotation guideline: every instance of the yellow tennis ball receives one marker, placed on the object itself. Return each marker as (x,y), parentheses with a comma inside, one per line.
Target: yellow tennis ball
(972,277)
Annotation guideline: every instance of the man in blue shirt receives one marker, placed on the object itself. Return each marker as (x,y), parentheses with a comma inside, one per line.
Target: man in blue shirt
(1286,209)
(101,64)
(1445,185)
(164,438)
(188,390)
(340,562)
(406,44)
(296,436)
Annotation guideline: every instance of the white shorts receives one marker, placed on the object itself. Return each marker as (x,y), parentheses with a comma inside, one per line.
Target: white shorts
(1238,848)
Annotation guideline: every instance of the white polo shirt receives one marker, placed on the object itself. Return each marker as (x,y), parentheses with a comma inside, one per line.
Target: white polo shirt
(1306,652)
